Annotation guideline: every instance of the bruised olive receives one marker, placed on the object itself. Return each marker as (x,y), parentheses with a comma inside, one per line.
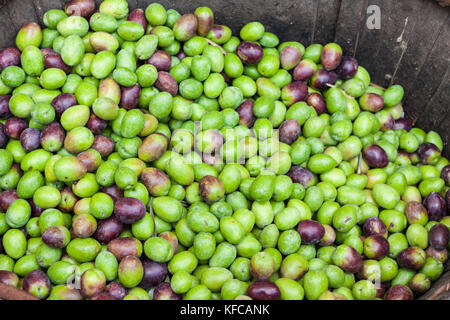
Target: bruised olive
(246,116)
(154,273)
(211,189)
(161,60)
(185,27)
(9,278)
(129,210)
(95,124)
(153,147)
(323,78)
(116,290)
(436,206)
(52,137)
(371,102)
(294,92)
(301,175)
(138,16)
(37,283)
(56,237)
(63,102)
(9,57)
(167,83)
(68,200)
(163,291)
(205,18)
(102,296)
(311,232)
(108,230)
(376,247)
(104,145)
(14,127)
(428,153)
(420,283)
(331,56)
(399,292)
(375,156)
(316,101)
(416,212)
(92,282)
(91,159)
(403,124)
(123,247)
(304,70)
(348,68)
(438,236)
(289,131)
(264,290)
(374,226)
(347,258)
(290,57)
(411,258)
(30,139)
(83,8)
(5,113)
(249,52)
(129,98)
(156,181)
(440,255)
(83,225)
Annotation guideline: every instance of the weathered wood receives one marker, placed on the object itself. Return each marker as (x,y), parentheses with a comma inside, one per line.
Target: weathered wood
(21,12)
(326,19)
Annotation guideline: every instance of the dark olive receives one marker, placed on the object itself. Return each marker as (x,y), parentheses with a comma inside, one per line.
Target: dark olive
(54,60)
(348,67)
(63,102)
(301,175)
(37,283)
(114,192)
(156,181)
(316,101)
(436,206)
(83,8)
(311,231)
(129,98)
(438,236)
(374,226)
(249,52)
(124,247)
(445,174)
(371,102)
(403,124)
(89,159)
(108,230)
(6,198)
(116,290)
(161,60)
(83,226)
(154,273)
(181,55)
(304,70)
(290,57)
(381,289)
(5,113)
(428,153)
(399,292)
(167,83)
(289,131)
(52,137)
(411,258)
(9,57)
(420,283)
(3,137)
(440,255)
(68,200)
(375,156)
(331,56)
(163,291)
(35,210)
(55,237)
(96,125)
(246,116)
(264,290)
(30,139)
(211,189)
(129,210)
(415,212)
(9,278)
(294,92)
(323,78)
(14,127)
(104,145)
(102,296)
(376,247)
(138,16)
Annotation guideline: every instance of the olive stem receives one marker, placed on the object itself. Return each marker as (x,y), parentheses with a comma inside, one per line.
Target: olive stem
(216,45)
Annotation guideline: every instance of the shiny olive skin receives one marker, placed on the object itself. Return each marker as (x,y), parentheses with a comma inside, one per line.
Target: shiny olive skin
(311,231)
(264,290)
(129,210)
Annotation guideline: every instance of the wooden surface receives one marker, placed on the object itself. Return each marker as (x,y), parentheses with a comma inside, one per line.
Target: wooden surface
(411,48)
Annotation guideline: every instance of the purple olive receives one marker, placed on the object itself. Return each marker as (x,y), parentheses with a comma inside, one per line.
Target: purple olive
(56,237)
(138,16)
(289,131)
(436,206)
(96,125)
(386,120)
(129,210)
(264,290)
(347,258)
(153,147)
(348,68)
(9,278)
(108,230)
(331,56)
(124,247)
(301,175)
(172,238)
(52,137)
(114,192)
(440,255)
(116,290)
(156,181)
(9,57)
(154,273)
(63,102)
(322,78)
(167,83)
(329,236)
(415,212)
(447,200)
(403,124)
(438,236)
(428,153)
(181,55)
(90,158)
(185,27)
(375,156)
(6,198)
(68,200)
(228,79)
(316,101)
(304,70)
(211,189)
(311,231)
(249,52)
(376,247)
(129,98)
(445,174)
(14,127)
(54,60)
(3,137)
(104,145)
(290,57)
(294,92)
(381,289)
(411,258)
(83,8)
(37,283)
(212,159)
(246,115)
(161,60)
(83,225)
(371,102)
(420,283)
(30,139)
(374,226)
(163,291)
(5,113)
(399,292)
(35,210)
(102,296)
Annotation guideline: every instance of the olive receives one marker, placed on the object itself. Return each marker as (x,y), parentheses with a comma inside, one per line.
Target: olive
(9,57)
(102,296)
(95,124)
(438,236)
(161,60)
(249,52)
(264,290)
(83,8)
(52,137)
(108,230)
(5,113)
(316,101)
(348,67)
(129,210)
(445,174)
(399,292)
(68,200)
(3,137)
(371,102)
(304,70)
(375,156)
(246,116)
(440,255)
(403,124)
(211,189)
(163,291)
(124,247)
(323,78)
(35,210)
(129,98)
(37,283)
(290,57)
(9,278)
(376,247)
(14,127)
(138,16)
(167,83)
(436,206)
(56,236)
(301,175)
(374,226)
(54,60)
(30,139)
(331,56)
(116,290)
(289,131)
(428,153)
(104,145)
(311,232)
(6,198)
(411,258)
(114,192)
(63,102)
(154,273)
(416,212)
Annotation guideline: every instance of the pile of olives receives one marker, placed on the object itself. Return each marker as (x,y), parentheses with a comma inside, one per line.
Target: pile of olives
(153,155)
